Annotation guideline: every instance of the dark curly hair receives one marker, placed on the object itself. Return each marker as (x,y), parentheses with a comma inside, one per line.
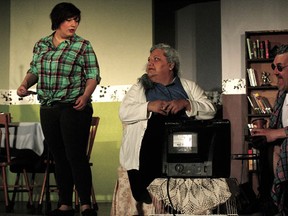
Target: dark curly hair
(282,49)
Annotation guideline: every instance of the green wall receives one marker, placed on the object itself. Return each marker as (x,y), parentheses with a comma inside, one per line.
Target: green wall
(105,154)
(4,108)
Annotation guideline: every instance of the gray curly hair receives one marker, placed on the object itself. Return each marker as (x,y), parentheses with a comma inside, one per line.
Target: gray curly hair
(171,55)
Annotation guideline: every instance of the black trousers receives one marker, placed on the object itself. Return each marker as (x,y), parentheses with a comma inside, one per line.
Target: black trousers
(150,157)
(284,198)
(66,131)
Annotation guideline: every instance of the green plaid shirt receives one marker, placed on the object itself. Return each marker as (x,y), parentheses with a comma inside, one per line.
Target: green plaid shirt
(62,71)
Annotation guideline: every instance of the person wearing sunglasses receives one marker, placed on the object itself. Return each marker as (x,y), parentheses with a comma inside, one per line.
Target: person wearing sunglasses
(277,132)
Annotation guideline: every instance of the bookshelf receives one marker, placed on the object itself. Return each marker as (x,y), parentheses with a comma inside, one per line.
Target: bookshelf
(259,61)
(261,83)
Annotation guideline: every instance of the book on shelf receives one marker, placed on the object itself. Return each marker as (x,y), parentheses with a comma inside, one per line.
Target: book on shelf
(258,100)
(254,105)
(267,44)
(267,104)
(258,49)
(249,48)
(252,163)
(255,53)
(261,49)
(252,77)
(255,153)
(259,104)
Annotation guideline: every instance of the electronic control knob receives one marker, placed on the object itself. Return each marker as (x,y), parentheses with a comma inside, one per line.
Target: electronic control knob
(179,168)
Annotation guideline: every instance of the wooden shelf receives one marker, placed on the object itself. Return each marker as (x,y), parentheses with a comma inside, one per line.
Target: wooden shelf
(259,115)
(250,88)
(259,60)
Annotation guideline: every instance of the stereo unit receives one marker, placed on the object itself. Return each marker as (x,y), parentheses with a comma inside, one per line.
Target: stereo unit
(197,148)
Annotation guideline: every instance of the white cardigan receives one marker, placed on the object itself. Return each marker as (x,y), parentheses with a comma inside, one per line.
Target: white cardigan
(134,116)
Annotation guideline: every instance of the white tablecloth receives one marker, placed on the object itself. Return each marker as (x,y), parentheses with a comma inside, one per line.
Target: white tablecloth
(191,196)
(25,135)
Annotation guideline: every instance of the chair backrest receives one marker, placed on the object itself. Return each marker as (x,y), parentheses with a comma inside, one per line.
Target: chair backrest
(92,134)
(5,119)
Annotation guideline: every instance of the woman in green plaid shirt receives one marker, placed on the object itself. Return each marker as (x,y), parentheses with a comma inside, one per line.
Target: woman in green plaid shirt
(66,71)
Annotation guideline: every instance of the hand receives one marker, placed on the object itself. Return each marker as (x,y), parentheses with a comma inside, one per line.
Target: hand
(22,91)
(175,106)
(81,102)
(270,134)
(166,107)
(158,106)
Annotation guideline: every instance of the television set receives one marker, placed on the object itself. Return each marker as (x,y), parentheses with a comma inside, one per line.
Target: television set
(197,148)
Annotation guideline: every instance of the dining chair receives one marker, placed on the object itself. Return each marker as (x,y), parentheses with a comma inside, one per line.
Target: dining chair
(10,158)
(4,155)
(92,135)
(47,187)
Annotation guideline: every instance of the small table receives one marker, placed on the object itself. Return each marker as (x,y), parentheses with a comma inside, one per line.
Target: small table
(25,135)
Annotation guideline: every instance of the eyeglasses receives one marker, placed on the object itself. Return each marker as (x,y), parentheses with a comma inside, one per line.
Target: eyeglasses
(279,67)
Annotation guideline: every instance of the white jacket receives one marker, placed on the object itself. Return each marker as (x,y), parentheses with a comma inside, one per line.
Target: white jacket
(134,116)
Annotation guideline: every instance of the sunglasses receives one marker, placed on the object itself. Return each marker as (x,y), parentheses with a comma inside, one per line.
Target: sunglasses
(279,67)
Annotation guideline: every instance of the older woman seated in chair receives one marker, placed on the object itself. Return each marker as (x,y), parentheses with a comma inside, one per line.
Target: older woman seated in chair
(159,95)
